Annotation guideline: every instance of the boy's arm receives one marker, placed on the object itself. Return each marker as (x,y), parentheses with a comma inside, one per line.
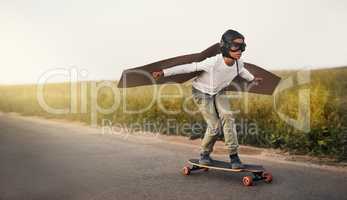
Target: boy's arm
(244,73)
(191,67)
(181,69)
(249,77)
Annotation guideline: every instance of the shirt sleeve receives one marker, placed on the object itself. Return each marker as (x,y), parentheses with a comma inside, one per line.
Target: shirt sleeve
(191,67)
(244,73)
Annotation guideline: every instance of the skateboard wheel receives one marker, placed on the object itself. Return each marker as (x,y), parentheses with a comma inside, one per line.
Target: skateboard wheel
(267,176)
(205,169)
(186,170)
(247,181)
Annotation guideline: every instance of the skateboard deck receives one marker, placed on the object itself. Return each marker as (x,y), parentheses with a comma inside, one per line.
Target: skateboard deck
(141,76)
(221,165)
(258,171)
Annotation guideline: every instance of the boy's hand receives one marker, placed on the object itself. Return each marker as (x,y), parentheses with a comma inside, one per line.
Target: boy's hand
(157,74)
(257,81)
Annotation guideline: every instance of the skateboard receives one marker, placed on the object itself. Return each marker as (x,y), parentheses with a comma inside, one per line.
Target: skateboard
(258,171)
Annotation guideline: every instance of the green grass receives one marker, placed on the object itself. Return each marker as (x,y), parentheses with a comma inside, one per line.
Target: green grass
(328,108)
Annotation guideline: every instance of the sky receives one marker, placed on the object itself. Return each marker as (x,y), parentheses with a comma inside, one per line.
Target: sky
(104,37)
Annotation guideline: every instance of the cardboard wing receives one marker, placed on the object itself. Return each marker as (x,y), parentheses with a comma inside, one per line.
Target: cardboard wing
(141,76)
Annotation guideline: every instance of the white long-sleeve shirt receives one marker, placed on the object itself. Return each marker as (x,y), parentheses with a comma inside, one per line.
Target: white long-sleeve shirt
(216,74)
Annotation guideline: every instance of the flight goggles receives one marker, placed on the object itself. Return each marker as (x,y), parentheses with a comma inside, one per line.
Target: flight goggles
(235,46)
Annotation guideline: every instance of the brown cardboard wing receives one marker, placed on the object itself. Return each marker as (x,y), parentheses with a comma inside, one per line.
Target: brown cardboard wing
(141,76)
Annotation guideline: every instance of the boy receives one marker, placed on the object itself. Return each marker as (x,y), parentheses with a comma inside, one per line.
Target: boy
(208,94)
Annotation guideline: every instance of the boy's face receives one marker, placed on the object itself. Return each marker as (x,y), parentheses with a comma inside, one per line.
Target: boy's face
(236,53)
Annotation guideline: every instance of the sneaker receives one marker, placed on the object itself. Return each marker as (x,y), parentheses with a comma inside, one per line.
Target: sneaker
(235,162)
(205,159)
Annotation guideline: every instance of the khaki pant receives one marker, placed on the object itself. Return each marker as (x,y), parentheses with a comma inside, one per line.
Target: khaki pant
(217,113)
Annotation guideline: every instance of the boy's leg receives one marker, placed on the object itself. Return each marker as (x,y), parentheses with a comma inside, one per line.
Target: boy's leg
(227,123)
(207,108)
(229,129)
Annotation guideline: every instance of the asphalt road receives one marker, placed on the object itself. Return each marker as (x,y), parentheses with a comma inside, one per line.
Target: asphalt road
(40,159)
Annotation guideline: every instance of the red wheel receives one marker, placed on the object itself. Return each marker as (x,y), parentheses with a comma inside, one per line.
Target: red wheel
(205,169)
(247,181)
(267,177)
(186,170)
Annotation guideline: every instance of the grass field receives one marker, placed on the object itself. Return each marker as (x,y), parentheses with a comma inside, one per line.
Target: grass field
(327,107)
